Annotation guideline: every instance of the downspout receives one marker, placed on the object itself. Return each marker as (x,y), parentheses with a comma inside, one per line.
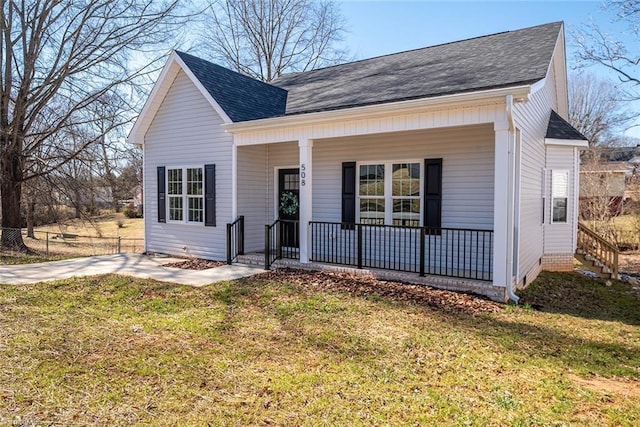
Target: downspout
(510,200)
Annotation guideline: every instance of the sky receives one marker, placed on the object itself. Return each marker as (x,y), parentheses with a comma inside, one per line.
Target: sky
(380,27)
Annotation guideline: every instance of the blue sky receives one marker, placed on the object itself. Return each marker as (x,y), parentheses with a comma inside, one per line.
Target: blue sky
(381,27)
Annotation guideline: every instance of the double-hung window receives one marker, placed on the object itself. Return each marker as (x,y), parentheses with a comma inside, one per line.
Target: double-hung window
(174,185)
(560,195)
(389,193)
(186,195)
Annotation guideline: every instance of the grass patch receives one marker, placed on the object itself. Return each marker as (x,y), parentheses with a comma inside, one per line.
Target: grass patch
(112,350)
(28,259)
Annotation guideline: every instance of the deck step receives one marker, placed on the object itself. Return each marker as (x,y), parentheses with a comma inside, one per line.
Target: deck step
(592,265)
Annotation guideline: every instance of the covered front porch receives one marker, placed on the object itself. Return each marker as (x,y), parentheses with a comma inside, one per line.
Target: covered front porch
(423,201)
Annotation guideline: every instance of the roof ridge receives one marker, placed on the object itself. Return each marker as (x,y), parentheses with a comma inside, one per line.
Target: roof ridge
(419,48)
(179,52)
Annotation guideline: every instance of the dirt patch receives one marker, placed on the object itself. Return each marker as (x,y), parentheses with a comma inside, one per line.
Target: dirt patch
(629,262)
(366,285)
(195,264)
(608,385)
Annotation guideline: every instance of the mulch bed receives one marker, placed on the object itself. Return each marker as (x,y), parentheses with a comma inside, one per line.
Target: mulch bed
(195,264)
(360,285)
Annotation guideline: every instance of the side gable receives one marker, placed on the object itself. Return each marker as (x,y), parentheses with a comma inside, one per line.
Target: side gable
(171,69)
(241,97)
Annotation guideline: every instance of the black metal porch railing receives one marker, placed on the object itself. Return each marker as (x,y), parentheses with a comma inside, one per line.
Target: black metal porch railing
(452,252)
(235,239)
(281,240)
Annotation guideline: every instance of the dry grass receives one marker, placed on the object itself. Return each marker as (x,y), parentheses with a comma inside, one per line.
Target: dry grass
(118,351)
(100,235)
(105,224)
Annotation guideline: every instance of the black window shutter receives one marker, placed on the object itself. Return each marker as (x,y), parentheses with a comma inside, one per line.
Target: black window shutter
(348,195)
(210,195)
(162,198)
(433,193)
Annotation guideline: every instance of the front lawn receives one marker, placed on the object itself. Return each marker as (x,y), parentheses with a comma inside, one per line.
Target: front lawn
(315,349)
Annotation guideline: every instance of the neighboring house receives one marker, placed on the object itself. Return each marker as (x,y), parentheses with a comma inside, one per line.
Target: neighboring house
(453,161)
(603,188)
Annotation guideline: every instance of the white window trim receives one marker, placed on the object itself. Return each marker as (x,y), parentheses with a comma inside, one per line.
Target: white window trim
(185,197)
(388,188)
(553,196)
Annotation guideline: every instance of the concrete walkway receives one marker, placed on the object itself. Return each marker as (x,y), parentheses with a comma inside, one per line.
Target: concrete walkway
(136,265)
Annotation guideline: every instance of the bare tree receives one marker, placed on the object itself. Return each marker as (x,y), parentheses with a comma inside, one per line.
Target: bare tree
(57,57)
(266,38)
(598,110)
(618,52)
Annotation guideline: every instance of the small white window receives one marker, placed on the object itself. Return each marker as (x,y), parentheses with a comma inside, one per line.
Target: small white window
(560,195)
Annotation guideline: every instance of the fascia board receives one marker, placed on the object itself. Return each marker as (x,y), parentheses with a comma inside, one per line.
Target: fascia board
(580,143)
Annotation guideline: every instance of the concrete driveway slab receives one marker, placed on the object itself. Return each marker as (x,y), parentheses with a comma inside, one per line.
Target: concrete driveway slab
(135,265)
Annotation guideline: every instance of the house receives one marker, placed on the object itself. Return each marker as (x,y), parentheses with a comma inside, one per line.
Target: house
(603,188)
(453,163)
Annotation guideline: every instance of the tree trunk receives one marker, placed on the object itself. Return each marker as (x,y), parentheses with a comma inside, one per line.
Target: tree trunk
(11,190)
(31,207)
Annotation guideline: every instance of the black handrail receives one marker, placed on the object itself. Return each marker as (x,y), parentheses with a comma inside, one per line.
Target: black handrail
(281,240)
(452,252)
(235,239)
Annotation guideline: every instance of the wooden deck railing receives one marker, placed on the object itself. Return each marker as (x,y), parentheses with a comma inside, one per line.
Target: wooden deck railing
(592,244)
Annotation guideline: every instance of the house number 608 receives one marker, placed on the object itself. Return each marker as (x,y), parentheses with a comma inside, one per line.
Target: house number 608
(303,174)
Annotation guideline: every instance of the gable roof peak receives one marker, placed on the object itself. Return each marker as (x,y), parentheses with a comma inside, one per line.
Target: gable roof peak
(241,97)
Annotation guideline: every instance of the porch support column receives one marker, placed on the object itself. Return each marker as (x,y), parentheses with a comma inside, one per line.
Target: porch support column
(501,204)
(234,181)
(305,149)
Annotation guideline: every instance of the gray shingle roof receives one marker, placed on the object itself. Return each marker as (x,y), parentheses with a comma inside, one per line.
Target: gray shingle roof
(559,128)
(500,60)
(495,61)
(241,97)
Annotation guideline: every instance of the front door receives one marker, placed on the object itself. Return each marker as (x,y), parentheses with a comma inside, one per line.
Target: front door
(289,206)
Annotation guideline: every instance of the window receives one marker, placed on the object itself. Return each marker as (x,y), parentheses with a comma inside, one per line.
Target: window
(405,184)
(174,184)
(195,203)
(560,195)
(389,193)
(185,194)
(372,201)
(544,195)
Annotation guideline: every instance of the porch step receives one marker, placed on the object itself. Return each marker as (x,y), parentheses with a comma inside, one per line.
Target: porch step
(251,259)
(593,265)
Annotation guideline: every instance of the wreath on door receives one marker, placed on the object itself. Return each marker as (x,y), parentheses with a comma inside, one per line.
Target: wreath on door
(289,203)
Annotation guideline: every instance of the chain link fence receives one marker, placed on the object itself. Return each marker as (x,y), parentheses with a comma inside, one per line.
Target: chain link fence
(59,244)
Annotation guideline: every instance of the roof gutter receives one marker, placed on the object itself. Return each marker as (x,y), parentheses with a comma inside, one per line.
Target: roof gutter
(372,110)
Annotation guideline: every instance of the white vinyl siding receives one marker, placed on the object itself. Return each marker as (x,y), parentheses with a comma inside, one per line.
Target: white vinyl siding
(532,119)
(186,131)
(253,202)
(467,171)
(560,236)
(257,179)
(467,192)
